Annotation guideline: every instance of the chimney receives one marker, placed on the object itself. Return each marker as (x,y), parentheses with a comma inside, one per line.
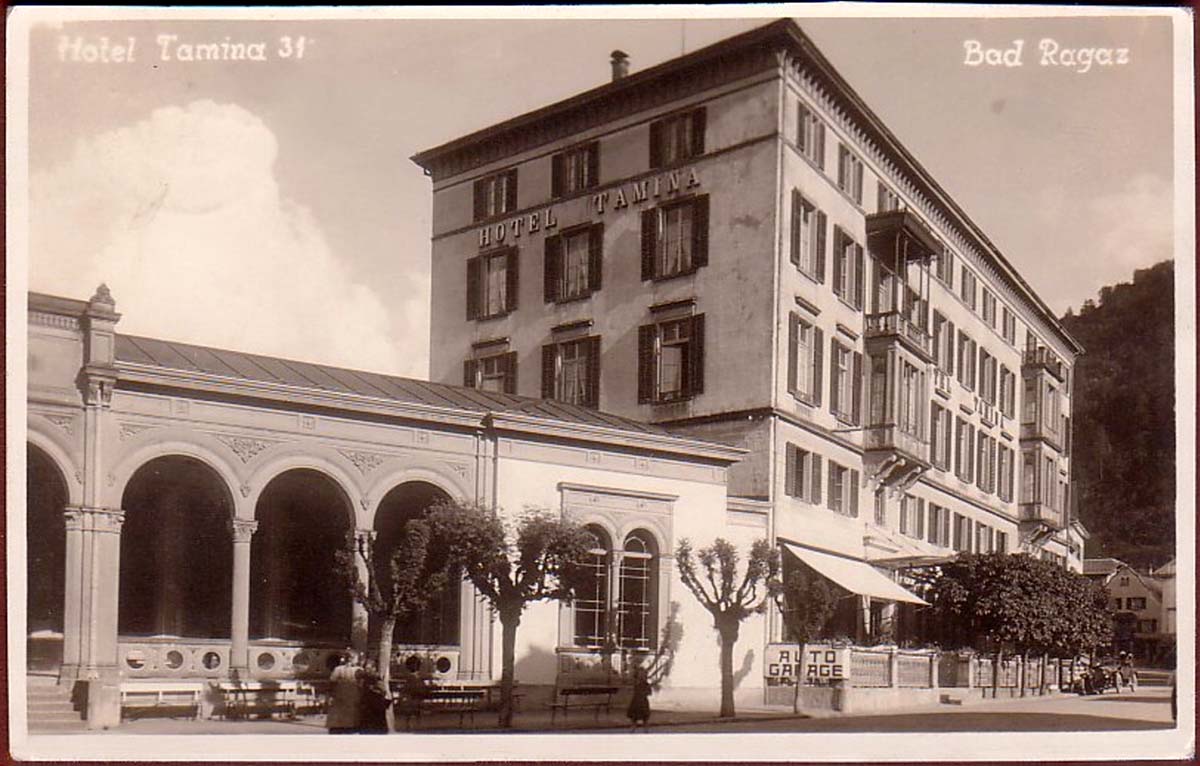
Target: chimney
(620,64)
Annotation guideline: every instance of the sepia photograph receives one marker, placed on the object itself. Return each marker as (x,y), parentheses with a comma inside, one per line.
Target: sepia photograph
(624,382)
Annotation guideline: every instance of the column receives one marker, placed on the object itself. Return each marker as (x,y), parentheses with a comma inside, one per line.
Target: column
(239,623)
(864,618)
(360,619)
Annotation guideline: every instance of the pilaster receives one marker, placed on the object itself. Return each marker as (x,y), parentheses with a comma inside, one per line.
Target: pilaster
(243,533)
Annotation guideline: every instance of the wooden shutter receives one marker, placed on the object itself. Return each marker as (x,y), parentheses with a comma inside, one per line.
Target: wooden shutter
(815,473)
(835,404)
(473,287)
(514,284)
(950,356)
(792,471)
(699,120)
(858,276)
(832,479)
(646,336)
(510,191)
(945,526)
(837,260)
(700,231)
(557,169)
(858,180)
(797,229)
(856,405)
(469,368)
(508,363)
(595,256)
(593,164)
(656,129)
(549,359)
(593,371)
(481,199)
(819,258)
(853,488)
(801,125)
(649,242)
(551,267)
(793,337)
(920,530)
(695,357)
(818,376)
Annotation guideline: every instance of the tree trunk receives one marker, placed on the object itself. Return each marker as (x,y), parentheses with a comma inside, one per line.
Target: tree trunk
(509,620)
(384,661)
(1022,676)
(728,637)
(996,673)
(1045,663)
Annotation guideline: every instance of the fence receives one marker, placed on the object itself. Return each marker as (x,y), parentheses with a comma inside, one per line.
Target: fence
(893,668)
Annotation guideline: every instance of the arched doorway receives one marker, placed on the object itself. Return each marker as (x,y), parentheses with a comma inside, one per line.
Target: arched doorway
(46,542)
(176,551)
(297,590)
(437,624)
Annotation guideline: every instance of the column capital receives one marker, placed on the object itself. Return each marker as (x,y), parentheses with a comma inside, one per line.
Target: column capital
(243,529)
(364,535)
(81,517)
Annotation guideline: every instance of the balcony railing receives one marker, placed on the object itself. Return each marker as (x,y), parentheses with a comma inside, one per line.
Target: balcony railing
(1043,358)
(894,324)
(1050,436)
(941,381)
(988,414)
(892,438)
(1042,513)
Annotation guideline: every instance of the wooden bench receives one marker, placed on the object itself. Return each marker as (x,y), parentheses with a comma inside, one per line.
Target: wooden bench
(464,699)
(568,698)
(243,698)
(145,696)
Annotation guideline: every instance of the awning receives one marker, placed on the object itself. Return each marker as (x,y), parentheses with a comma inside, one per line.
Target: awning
(854,576)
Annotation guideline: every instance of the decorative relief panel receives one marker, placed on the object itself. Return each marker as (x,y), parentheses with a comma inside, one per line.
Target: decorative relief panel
(365,462)
(245,447)
(65,422)
(129,430)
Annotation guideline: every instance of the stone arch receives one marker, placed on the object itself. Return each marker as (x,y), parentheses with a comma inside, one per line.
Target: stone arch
(155,443)
(429,474)
(58,448)
(277,461)
(47,495)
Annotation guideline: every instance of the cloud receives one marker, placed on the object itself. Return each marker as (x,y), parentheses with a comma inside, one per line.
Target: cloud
(1135,226)
(181,216)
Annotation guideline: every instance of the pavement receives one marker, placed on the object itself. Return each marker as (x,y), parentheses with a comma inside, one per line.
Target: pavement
(1148,708)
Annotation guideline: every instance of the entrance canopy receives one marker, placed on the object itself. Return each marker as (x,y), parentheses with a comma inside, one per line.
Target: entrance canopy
(854,576)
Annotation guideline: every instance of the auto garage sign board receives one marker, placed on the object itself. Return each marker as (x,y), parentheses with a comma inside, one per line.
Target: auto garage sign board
(817,664)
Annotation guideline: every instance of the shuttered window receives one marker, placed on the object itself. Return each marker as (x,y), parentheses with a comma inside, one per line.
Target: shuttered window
(808,237)
(848,268)
(810,135)
(671,360)
(496,195)
(575,170)
(492,284)
(803,474)
(496,373)
(573,263)
(571,371)
(675,238)
(843,490)
(850,173)
(845,383)
(805,345)
(677,138)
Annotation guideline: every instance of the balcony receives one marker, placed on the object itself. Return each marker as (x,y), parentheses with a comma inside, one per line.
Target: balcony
(941,382)
(892,457)
(988,414)
(893,325)
(1040,432)
(1042,358)
(1041,513)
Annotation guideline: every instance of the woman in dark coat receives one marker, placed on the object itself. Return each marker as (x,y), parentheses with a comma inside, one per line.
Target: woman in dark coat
(374,703)
(639,706)
(345,697)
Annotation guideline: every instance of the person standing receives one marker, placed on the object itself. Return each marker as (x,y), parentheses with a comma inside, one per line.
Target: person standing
(345,696)
(373,703)
(639,705)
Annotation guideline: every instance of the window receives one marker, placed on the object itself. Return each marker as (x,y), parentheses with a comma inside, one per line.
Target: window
(850,173)
(1009,326)
(912,400)
(1001,545)
(1029,478)
(983,538)
(886,199)
(962,533)
(574,170)
(671,360)
(880,509)
(497,373)
(939,431)
(987,377)
(492,284)
(989,307)
(939,531)
(1135,603)
(967,288)
(1051,404)
(986,473)
(571,371)
(808,237)
(803,475)
(573,263)
(1005,471)
(591,596)
(943,343)
(843,490)
(845,383)
(675,238)
(1147,626)
(944,267)
(1029,411)
(496,195)
(637,582)
(964,467)
(912,517)
(805,344)
(810,136)
(966,360)
(677,138)
(1117,603)
(1124,584)
(847,268)
(1008,392)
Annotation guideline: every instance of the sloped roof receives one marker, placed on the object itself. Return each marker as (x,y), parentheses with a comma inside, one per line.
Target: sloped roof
(1166,570)
(240,365)
(1101,566)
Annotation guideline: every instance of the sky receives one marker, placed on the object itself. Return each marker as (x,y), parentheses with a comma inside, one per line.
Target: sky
(271,206)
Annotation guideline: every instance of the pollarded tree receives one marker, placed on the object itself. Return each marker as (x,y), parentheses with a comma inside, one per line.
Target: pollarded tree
(536,559)
(806,602)
(715,585)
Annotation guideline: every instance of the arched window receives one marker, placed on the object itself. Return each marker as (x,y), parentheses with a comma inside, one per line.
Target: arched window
(638,593)
(591,603)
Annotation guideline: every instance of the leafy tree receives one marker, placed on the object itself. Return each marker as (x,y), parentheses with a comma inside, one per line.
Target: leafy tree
(400,582)
(715,585)
(511,565)
(806,602)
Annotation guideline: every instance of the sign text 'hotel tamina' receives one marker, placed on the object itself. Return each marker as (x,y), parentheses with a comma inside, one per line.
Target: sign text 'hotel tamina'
(618,198)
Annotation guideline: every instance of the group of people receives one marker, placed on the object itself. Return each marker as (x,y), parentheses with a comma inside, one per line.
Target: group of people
(358,701)
(1099,676)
